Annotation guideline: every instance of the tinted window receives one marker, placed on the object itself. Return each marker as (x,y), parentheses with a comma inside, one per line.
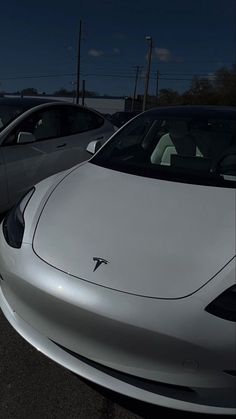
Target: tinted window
(45,124)
(81,120)
(190,149)
(120,118)
(8,113)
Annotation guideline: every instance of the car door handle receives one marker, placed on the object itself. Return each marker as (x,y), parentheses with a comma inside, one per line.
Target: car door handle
(99,138)
(62,145)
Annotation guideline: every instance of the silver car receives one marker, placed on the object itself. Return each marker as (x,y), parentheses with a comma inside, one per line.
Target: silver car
(123,269)
(40,137)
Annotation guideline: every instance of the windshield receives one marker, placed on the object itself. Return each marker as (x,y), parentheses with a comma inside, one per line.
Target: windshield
(8,113)
(191,149)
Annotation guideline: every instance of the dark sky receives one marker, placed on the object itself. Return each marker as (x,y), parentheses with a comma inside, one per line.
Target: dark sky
(40,39)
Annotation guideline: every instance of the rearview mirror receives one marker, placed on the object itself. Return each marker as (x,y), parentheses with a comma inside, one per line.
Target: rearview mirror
(25,138)
(93,146)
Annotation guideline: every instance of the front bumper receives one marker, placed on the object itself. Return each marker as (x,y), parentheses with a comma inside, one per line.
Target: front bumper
(175,360)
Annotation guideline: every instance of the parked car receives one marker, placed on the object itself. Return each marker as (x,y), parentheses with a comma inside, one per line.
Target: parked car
(39,137)
(120,118)
(11,107)
(122,269)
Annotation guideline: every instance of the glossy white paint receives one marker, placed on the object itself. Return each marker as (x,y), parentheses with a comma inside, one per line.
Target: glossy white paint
(162,239)
(168,341)
(28,163)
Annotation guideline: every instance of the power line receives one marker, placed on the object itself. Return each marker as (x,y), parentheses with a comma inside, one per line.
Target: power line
(196,62)
(92,74)
(124,75)
(131,76)
(179,79)
(183,74)
(37,77)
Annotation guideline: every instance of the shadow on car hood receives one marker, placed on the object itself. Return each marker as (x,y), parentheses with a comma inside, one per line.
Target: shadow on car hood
(157,238)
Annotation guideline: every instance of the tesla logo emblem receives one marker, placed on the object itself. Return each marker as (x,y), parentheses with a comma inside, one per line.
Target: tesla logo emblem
(99,261)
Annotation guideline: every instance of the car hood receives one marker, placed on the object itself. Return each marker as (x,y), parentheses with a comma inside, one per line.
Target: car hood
(161,239)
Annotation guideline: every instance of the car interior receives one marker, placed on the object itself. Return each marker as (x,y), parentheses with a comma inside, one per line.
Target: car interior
(194,145)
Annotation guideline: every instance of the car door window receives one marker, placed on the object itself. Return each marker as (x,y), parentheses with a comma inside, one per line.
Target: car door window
(81,120)
(44,125)
(8,113)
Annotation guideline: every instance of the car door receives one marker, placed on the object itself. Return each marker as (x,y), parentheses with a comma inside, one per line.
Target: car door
(81,126)
(3,184)
(27,164)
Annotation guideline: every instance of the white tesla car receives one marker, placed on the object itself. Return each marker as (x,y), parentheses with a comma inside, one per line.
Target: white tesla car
(40,137)
(123,269)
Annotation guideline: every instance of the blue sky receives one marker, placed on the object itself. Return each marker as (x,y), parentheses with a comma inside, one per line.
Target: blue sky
(40,39)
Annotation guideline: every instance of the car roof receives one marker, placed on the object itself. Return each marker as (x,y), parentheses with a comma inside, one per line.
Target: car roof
(29,102)
(25,102)
(126,113)
(209,111)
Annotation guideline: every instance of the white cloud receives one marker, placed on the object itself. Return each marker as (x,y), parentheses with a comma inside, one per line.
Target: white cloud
(116,51)
(163,54)
(95,52)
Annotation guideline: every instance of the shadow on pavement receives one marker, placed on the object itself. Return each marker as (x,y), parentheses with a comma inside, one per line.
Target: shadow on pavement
(146,410)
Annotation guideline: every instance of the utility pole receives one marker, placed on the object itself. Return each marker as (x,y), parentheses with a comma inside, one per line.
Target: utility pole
(83,92)
(135,86)
(78,63)
(157,84)
(149,39)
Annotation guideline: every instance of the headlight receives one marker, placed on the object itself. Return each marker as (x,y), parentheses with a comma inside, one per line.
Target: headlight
(14,223)
(224,306)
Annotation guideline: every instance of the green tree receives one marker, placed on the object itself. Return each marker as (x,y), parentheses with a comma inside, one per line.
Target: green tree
(220,89)
(169,97)
(201,92)
(225,85)
(64,92)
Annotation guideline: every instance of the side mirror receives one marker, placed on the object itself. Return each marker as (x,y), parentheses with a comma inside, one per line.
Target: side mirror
(25,138)
(93,146)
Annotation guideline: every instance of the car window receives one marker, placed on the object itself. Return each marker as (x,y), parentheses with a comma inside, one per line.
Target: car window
(8,113)
(81,120)
(185,148)
(44,125)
